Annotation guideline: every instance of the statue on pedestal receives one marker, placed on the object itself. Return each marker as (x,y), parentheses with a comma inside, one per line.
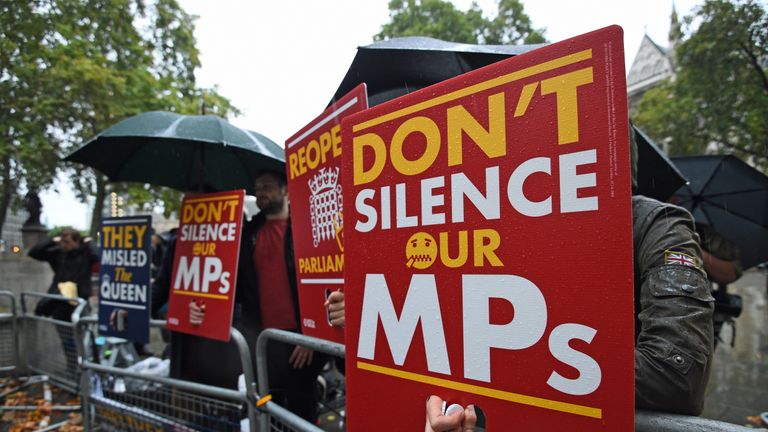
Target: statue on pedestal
(34,207)
(32,231)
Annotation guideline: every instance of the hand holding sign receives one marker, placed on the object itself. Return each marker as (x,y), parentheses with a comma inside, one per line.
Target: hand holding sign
(118,319)
(455,418)
(196,313)
(335,305)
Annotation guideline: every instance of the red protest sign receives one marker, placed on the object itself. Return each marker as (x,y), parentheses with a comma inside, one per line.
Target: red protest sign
(488,245)
(317,211)
(205,263)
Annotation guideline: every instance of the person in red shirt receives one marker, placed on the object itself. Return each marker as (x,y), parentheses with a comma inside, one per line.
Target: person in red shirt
(293,370)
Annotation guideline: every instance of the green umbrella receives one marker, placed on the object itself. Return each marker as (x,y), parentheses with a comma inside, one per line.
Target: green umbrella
(184,152)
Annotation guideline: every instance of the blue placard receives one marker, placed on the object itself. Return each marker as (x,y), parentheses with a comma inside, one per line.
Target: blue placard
(124,277)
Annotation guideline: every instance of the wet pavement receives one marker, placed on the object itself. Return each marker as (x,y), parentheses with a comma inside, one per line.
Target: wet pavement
(738,387)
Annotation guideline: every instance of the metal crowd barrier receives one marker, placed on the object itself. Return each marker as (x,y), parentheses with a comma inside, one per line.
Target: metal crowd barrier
(283,420)
(649,421)
(44,354)
(119,399)
(9,336)
(277,418)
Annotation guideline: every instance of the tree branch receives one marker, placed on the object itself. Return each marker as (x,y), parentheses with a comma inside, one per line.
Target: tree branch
(755,65)
(760,155)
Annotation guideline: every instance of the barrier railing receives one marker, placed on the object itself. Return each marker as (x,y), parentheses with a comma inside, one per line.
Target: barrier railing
(119,399)
(649,421)
(9,336)
(278,418)
(43,354)
(645,421)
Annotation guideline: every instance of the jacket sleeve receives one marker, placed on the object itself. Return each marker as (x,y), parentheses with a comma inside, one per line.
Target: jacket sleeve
(162,285)
(673,350)
(44,251)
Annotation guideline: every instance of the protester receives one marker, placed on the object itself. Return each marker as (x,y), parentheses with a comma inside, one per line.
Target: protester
(266,297)
(293,370)
(673,303)
(72,260)
(199,359)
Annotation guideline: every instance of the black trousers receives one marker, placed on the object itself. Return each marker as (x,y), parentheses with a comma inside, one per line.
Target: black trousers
(216,363)
(212,362)
(294,389)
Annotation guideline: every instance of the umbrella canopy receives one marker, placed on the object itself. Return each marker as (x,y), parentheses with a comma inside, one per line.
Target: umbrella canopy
(398,66)
(184,152)
(732,198)
(657,176)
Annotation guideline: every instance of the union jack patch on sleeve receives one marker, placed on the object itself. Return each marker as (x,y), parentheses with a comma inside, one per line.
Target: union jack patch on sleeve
(672,257)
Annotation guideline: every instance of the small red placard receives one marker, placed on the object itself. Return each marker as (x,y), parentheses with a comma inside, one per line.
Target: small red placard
(205,263)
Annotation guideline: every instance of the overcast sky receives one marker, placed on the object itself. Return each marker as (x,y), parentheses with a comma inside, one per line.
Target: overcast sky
(281,61)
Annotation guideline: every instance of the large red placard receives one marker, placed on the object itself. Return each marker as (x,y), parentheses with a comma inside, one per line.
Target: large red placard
(205,263)
(317,211)
(489,246)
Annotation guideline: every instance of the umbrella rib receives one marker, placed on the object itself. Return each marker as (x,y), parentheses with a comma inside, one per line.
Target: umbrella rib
(706,213)
(460,62)
(712,176)
(733,193)
(731,212)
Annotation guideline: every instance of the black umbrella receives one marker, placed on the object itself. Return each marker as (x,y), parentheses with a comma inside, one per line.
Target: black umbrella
(732,198)
(657,176)
(398,66)
(184,152)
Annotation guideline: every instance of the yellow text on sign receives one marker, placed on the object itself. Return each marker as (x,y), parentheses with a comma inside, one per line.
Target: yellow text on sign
(371,152)
(315,153)
(123,236)
(201,210)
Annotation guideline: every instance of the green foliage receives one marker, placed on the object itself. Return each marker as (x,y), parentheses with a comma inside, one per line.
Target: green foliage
(27,99)
(440,19)
(511,26)
(720,95)
(72,68)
